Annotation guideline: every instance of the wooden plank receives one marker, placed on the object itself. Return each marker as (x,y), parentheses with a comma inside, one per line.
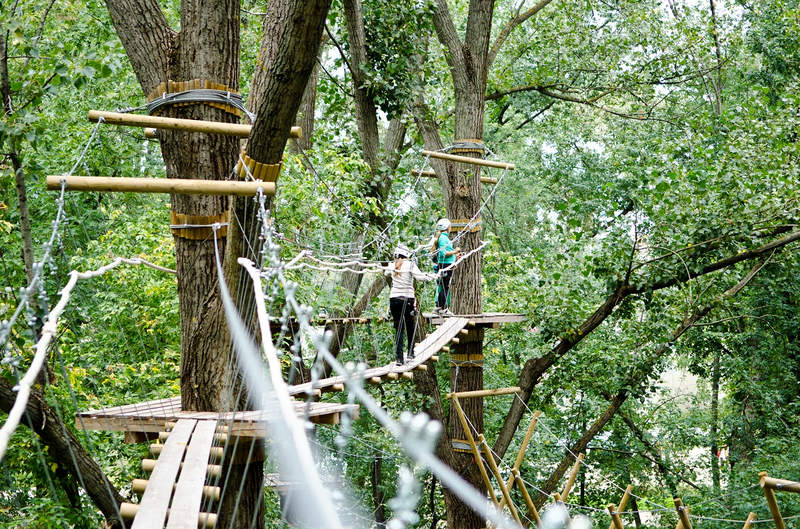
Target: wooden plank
(179,186)
(432,174)
(152,510)
(185,508)
(486,319)
(484,393)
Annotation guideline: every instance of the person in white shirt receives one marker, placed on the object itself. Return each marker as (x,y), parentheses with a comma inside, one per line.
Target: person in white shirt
(402,303)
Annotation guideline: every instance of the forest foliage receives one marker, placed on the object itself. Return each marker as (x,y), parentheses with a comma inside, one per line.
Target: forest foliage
(651,138)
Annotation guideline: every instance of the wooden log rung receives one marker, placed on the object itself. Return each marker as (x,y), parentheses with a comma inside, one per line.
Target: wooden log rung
(483,393)
(178,186)
(128,511)
(214,471)
(215,452)
(432,174)
(467,159)
(209,491)
(188,125)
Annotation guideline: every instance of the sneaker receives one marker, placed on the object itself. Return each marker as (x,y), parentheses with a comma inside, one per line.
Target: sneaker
(409,356)
(446,312)
(399,362)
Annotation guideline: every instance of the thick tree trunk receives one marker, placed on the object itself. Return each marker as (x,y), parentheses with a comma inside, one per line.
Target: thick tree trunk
(67,451)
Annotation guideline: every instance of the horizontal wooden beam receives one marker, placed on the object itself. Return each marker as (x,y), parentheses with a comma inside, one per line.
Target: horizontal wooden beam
(188,125)
(778,484)
(467,159)
(207,519)
(214,471)
(432,174)
(138,486)
(483,393)
(178,186)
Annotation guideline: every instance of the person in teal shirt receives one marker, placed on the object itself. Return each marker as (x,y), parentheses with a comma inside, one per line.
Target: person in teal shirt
(446,256)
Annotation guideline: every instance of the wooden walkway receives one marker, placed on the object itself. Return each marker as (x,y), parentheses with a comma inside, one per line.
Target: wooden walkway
(423,352)
(181,467)
(490,320)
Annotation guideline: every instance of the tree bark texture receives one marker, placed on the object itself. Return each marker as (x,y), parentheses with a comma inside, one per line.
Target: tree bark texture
(714,447)
(67,451)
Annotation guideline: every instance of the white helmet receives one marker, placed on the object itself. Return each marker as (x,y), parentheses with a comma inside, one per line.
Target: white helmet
(443,224)
(402,251)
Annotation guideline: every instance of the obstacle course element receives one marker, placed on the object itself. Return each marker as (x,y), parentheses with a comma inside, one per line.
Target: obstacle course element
(181,467)
(423,351)
(144,420)
(469,160)
(186,125)
(770,485)
(179,186)
(488,320)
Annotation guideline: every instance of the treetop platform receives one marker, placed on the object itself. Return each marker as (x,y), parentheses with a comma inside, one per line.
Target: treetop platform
(490,320)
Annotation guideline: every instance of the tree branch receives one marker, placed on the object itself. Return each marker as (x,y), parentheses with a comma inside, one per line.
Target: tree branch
(511,25)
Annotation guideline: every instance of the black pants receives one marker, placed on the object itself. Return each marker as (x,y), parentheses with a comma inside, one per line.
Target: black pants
(402,310)
(443,293)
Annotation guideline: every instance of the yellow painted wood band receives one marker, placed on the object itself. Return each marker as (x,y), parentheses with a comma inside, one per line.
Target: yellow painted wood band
(266,172)
(198,233)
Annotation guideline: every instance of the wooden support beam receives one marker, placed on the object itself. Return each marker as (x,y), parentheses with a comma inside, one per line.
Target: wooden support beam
(467,159)
(455,341)
(463,332)
(445,349)
(559,501)
(391,375)
(337,387)
(375,380)
(128,511)
(528,501)
(616,521)
(778,484)
(622,503)
(772,503)
(422,367)
(434,358)
(683,513)
(572,475)
(219,438)
(526,440)
(189,125)
(214,471)
(139,485)
(487,452)
(474,448)
(748,523)
(178,186)
(483,393)
(408,375)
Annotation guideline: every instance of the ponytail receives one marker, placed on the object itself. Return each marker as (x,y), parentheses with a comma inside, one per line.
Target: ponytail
(398,264)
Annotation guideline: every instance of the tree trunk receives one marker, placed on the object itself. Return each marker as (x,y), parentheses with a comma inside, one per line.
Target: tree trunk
(715,376)
(67,451)
(377,493)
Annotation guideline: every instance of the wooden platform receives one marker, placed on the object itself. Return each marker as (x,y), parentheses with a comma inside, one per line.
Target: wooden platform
(150,417)
(423,352)
(490,320)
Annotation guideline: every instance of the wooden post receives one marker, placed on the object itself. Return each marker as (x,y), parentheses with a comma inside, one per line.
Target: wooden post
(522,449)
(572,476)
(180,186)
(500,481)
(528,501)
(474,448)
(749,522)
(483,393)
(683,513)
(616,521)
(778,484)
(769,494)
(189,125)
(559,501)
(466,159)
(622,503)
